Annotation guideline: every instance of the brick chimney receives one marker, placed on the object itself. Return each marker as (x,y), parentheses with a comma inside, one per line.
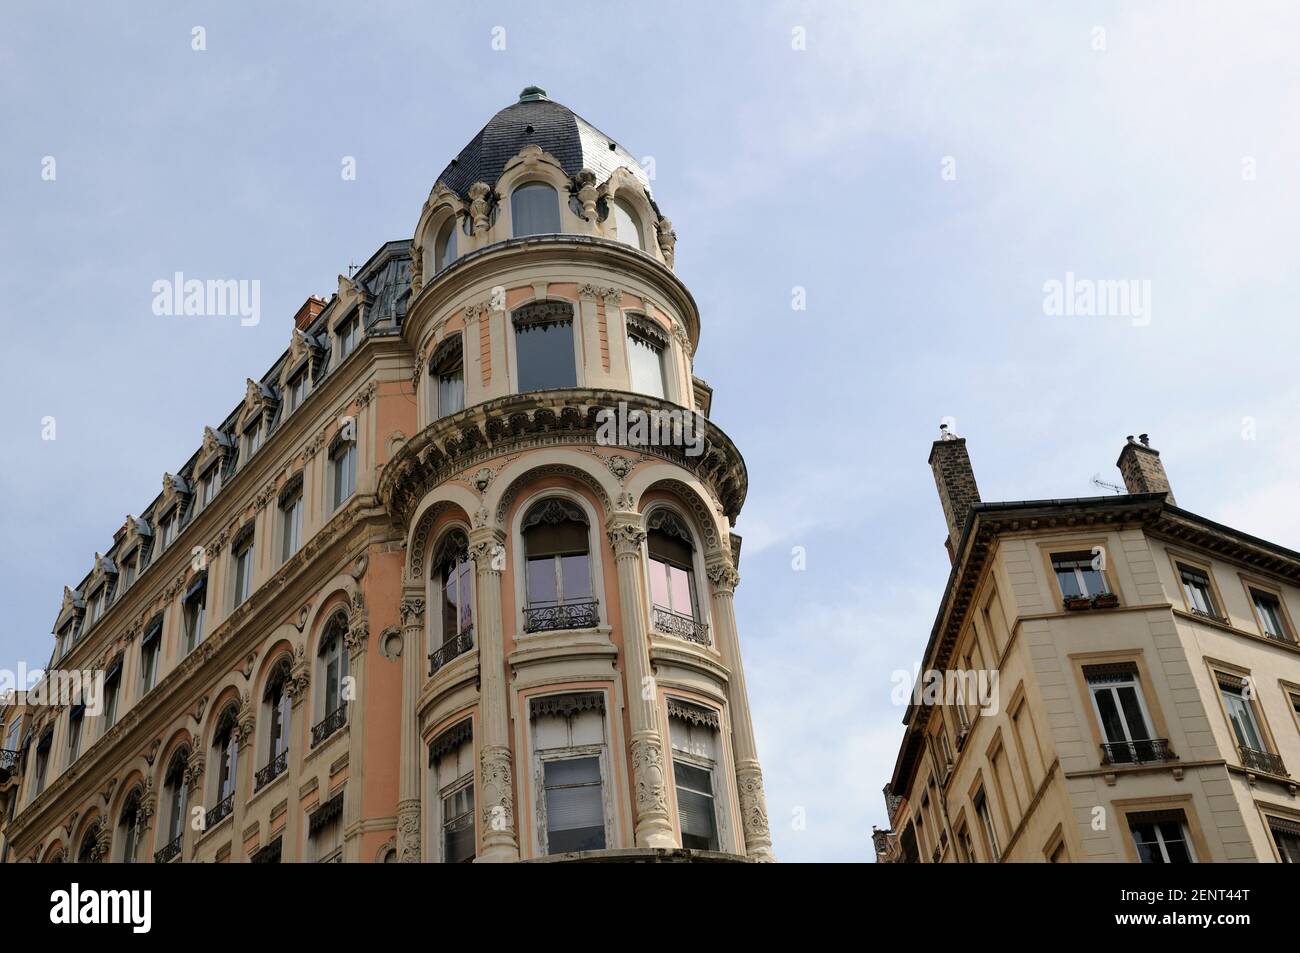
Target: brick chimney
(308,312)
(955,479)
(1141,468)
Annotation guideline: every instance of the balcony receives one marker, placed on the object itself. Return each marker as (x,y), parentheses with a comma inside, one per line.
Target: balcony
(330,724)
(454,647)
(681,626)
(8,764)
(1265,761)
(568,615)
(1147,751)
(170,852)
(220,812)
(272,771)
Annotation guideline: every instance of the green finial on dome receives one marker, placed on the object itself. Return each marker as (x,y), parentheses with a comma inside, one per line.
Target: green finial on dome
(532,94)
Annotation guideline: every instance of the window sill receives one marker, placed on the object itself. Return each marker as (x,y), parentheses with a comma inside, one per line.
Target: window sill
(327,744)
(209,833)
(1227,626)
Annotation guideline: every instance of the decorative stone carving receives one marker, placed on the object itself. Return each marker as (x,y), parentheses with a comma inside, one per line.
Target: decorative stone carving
(193,776)
(483,479)
(417,269)
(613,298)
(625,534)
(589,291)
(753,812)
(498,797)
(479,206)
(586,183)
(497,301)
(408,832)
(667,241)
(648,770)
(723,577)
(299,675)
(620,466)
(412,613)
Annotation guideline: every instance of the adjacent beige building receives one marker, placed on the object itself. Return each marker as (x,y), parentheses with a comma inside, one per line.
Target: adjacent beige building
(1146,706)
(454,580)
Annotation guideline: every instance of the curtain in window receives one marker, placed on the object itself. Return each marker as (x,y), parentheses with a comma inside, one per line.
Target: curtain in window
(535,210)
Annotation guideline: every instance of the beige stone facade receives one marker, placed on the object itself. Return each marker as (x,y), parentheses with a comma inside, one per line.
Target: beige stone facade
(1147,702)
(407,604)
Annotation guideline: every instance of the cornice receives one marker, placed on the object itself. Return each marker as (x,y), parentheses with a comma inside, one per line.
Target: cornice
(547,418)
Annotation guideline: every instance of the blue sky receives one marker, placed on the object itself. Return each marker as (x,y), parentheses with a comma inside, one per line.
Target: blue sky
(1171,155)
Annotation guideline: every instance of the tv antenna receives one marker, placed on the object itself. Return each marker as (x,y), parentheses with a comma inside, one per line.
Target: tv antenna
(1113,487)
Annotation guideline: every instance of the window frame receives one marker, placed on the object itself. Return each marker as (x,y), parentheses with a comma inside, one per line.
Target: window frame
(291,506)
(1254,585)
(1182,561)
(343,451)
(1252,706)
(535,185)
(520,316)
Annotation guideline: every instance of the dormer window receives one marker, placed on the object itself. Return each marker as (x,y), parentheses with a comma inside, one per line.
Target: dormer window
(128,571)
(209,484)
(626,227)
(535,210)
(96,606)
(444,249)
(252,439)
(349,335)
(296,392)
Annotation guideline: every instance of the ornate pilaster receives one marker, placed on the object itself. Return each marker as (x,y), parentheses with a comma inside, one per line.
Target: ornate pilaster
(749,776)
(412,611)
(500,840)
(99,854)
(654,827)
(408,831)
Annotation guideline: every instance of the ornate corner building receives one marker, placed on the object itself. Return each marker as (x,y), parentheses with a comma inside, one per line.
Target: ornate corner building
(1108,679)
(408,602)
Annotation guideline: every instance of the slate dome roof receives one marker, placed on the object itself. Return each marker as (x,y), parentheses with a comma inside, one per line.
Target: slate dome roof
(537,120)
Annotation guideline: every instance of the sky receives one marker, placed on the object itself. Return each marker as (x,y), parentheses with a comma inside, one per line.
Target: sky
(871,202)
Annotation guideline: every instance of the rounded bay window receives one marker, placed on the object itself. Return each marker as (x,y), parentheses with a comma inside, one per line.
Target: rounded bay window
(451,627)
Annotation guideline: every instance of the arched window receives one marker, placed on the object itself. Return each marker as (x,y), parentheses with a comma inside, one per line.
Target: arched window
(627,228)
(535,210)
(673,593)
(544,346)
(86,854)
(129,822)
(447,370)
(225,755)
(646,345)
(452,631)
(444,247)
(332,661)
(175,793)
(557,570)
(276,706)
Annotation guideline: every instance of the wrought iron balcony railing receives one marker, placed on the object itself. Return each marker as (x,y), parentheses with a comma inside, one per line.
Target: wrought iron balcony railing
(1212,616)
(682,626)
(568,615)
(1262,761)
(329,724)
(8,763)
(454,647)
(1137,752)
(170,851)
(272,771)
(220,812)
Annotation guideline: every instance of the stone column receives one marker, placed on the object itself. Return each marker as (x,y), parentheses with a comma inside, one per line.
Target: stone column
(246,738)
(299,744)
(497,797)
(749,775)
(654,827)
(408,790)
(193,781)
(355,642)
(144,815)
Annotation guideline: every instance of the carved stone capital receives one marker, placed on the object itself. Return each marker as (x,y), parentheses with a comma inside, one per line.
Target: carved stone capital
(193,776)
(412,613)
(625,534)
(725,579)
(487,549)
